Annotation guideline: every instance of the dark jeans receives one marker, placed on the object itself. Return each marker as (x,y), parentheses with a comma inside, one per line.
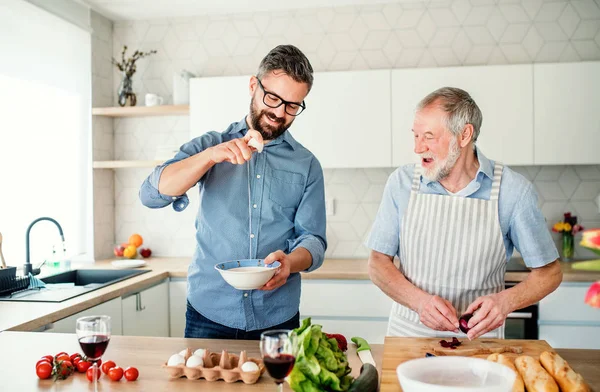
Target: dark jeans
(198,326)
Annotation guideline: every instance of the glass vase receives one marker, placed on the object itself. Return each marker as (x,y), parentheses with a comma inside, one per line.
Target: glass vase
(568,247)
(126,95)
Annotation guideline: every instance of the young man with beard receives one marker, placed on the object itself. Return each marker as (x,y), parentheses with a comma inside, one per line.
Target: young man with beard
(268,205)
(454,220)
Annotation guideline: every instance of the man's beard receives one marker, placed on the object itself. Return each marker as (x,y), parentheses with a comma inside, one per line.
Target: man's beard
(259,123)
(441,169)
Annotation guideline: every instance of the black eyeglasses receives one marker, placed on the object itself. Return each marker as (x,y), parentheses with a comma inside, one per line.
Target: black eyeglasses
(273,100)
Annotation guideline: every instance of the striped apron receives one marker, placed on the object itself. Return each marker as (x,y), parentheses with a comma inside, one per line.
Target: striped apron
(452,247)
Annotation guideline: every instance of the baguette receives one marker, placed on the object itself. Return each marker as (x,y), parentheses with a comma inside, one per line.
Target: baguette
(518,385)
(536,379)
(567,379)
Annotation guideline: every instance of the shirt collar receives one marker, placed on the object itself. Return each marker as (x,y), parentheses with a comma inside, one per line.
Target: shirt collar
(242,127)
(485,168)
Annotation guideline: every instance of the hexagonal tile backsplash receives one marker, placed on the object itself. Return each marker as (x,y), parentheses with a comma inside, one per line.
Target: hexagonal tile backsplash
(408,34)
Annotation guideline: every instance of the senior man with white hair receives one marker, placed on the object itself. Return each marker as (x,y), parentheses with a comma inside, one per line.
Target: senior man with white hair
(453,220)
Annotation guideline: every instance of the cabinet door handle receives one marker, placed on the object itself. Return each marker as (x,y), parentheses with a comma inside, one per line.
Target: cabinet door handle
(138,303)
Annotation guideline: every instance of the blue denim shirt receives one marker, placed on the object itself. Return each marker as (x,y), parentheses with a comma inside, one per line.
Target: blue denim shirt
(521,221)
(287,209)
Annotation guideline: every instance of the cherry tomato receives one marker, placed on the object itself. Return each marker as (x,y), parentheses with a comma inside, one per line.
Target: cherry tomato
(43,370)
(131,374)
(49,358)
(76,360)
(115,373)
(42,361)
(107,365)
(61,353)
(63,357)
(90,373)
(83,366)
(66,369)
(73,356)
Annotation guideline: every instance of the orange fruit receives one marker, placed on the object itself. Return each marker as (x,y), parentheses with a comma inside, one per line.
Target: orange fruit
(130,252)
(136,240)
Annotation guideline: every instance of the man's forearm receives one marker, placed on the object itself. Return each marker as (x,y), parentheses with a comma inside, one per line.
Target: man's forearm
(177,178)
(393,283)
(300,260)
(539,283)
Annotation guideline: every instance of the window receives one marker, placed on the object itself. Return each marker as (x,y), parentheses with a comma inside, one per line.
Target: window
(45,132)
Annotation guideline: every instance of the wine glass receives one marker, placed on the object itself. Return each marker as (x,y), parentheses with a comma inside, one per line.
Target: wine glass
(278,350)
(93,333)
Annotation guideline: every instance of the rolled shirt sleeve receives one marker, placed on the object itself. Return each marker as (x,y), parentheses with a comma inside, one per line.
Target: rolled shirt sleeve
(529,233)
(385,233)
(149,194)
(310,226)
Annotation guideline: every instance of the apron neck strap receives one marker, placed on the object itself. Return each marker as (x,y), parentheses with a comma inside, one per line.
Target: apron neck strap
(498,167)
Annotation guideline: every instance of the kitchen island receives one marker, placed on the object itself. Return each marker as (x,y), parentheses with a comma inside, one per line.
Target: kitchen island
(17,370)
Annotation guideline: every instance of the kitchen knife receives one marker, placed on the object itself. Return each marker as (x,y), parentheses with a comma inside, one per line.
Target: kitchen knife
(363,350)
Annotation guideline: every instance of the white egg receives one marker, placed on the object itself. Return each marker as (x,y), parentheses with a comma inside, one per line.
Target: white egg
(194,361)
(249,367)
(183,352)
(176,359)
(200,352)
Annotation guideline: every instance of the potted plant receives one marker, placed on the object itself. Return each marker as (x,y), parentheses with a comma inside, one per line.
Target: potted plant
(127,67)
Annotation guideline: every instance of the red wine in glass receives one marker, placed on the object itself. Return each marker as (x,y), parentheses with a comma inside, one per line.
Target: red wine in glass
(279,367)
(94,346)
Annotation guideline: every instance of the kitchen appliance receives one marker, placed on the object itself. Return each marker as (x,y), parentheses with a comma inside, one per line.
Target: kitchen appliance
(522,323)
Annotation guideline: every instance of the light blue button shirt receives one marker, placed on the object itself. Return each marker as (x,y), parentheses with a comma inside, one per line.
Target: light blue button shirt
(523,225)
(288,211)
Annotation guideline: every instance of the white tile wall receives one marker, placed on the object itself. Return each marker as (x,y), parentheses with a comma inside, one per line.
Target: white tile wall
(394,35)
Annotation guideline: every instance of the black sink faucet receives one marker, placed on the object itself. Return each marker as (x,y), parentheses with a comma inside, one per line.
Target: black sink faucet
(27,268)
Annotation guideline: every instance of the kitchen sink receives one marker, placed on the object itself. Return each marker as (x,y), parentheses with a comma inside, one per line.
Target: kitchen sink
(70,284)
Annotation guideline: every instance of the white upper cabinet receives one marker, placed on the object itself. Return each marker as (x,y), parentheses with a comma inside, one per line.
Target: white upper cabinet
(503,93)
(217,102)
(567,113)
(347,123)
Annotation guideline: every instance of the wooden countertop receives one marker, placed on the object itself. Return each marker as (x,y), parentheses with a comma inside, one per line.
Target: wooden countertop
(148,354)
(17,370)
(29,316)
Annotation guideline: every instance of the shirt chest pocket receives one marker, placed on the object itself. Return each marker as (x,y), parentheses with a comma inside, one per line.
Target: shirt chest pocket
(286,188)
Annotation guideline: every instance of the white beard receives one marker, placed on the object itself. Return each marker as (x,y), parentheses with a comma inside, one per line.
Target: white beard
(441,169)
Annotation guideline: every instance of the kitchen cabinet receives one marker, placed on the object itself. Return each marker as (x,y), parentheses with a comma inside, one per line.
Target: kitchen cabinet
(177,306)
(347,122)
(349,307)
(145,313)
(110,308)
(503,93)
(565,321)
(567,119)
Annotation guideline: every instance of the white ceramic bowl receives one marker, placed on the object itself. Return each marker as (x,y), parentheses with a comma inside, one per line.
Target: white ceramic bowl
(454,374)
(247,274)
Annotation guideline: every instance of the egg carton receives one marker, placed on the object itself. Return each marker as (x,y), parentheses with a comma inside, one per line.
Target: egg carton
(217,366)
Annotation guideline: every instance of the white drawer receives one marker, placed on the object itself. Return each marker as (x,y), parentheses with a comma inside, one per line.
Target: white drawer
(345,298)
(567,304)
(571,336)
(370,330)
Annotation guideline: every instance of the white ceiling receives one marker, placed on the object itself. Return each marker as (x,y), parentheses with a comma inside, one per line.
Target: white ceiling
(156,9)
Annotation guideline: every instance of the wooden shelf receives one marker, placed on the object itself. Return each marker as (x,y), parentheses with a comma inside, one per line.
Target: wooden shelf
(124,164)
(139,111)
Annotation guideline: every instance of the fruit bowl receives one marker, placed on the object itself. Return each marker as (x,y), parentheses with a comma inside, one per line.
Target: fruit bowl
(248,274)
(454,374)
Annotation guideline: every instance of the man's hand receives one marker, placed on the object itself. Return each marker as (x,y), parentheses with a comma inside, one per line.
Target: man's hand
(235,151)
(490,314)
(282,273)
(438,314)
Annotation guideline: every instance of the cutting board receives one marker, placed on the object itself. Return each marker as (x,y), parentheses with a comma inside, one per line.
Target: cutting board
(398,350)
